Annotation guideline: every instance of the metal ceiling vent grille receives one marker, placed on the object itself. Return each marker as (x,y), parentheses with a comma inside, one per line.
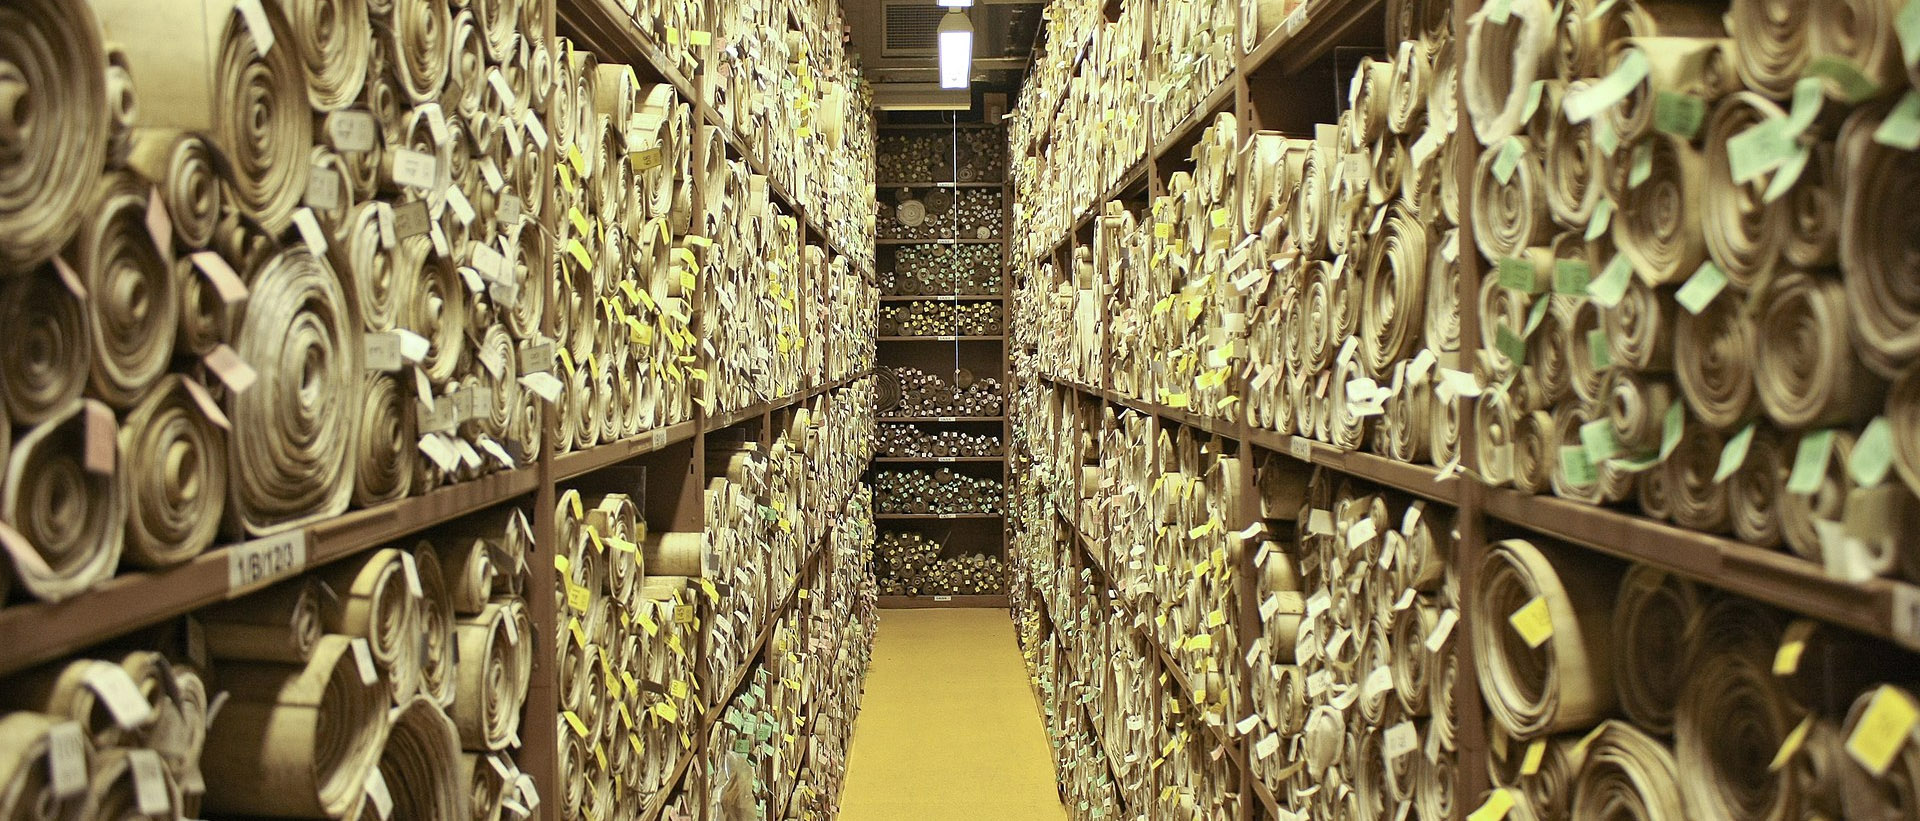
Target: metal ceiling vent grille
(913,28)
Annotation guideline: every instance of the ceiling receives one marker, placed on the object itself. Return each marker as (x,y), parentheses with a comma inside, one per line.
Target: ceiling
(895,40)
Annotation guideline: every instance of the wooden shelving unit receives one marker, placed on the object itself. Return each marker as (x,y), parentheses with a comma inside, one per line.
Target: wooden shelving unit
(39,632)
(1283,85)
(979,353)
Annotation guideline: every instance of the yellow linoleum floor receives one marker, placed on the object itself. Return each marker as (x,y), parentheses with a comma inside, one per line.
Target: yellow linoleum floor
(949,728)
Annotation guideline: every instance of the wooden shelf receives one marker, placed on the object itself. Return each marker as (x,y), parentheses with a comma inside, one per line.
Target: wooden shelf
(580,462)
(738,682)
(937,241)
(727,419)
(941,419)
(42,631)
(1322,25)
(1217,427)
(928,517)
(1166,660)
(943,339)
(973,185)
(1879,607)
(1217,100)
(609,32)
(945,298)
(993,601)
(937,460)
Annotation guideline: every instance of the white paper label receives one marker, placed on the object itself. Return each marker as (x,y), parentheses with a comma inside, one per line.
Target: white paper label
(436,122)
(256,563)
(1442,629)
(378,793)
(363,658)
(462,208)
(543,385)
(1400,740)
(498,453)
(67,759)
(389,236)
(323,188)
(414,169)
(149,782)
(413,347)
(257,25)
(534,129)
(116,688)
(412,569)
(383,352)
(310,231)
(351,131)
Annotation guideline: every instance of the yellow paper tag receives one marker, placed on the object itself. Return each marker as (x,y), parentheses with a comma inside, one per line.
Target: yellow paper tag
(1533,621)
(1883,729)
(1496,808)
(699,38)
(1793,645)
(678,689)
(573,720)
(579,634)
(579,253)
(579,598)
(1536,752)
(1794,741)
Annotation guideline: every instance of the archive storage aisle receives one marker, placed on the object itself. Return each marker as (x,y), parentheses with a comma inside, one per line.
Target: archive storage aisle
(428,410)
(1483,410)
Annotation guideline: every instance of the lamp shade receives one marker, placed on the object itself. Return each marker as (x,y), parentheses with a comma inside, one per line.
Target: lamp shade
(956,49)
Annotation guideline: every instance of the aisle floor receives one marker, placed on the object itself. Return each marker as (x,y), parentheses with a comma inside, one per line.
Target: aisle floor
(949,727)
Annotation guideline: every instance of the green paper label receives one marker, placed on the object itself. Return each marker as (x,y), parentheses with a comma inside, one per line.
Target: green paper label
(1605,137)
(1571,276)
(1810,462)
(1698,293)
(1760,149)
(1872,454)
(1600,96)
(1602,217)
(1679,114)
(1901,128)
(1809,96)
(1537,315)
(1735,453)
(1612,284)
(1671,431)
(1908,26)
(1575,464)
(1597,437)
(1788,174)
(1510,153)
(1510,345)
(1599,351)
(1534,93)
(1517,274)
(1845,81)
(1642,165)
